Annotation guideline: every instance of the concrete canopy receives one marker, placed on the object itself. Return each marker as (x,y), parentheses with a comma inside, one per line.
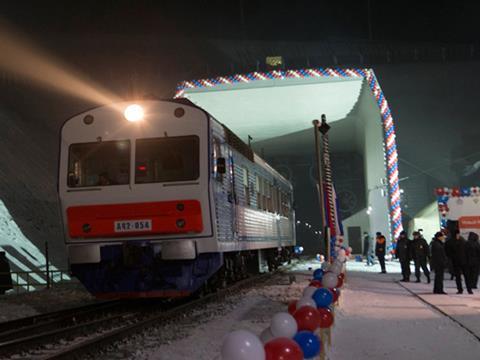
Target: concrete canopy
(271,108)
(277,108)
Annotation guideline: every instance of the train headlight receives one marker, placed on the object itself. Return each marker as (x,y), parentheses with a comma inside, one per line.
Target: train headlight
(133,113)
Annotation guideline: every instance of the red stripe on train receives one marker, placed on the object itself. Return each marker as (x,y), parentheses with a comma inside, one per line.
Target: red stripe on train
(164,217)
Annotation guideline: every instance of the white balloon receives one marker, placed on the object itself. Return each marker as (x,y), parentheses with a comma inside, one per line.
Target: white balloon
(283,325)
(306,301)
(330,280)
(308,291)
(336,269)
(266,335)
(341,252)
(242,345)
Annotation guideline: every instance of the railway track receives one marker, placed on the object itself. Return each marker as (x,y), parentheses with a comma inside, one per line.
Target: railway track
(26,333)
(81,338)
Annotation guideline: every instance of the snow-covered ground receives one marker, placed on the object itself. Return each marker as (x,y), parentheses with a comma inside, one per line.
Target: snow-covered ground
(376,319)
(59,297)
(352,265)
(199,335)
(379,319)
(464,308)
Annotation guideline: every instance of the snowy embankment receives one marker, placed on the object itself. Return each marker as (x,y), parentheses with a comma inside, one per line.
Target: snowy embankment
(21,253)
(60,297)
(200,334)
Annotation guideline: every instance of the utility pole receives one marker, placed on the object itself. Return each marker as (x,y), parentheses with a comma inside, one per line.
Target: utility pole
(321,198)
(322,127)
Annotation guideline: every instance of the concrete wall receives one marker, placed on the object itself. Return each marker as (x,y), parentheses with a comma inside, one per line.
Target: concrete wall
(369,126)
(360,219)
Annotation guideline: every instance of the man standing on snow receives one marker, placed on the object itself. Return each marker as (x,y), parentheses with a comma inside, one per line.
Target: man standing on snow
(380,250)
(459,261)
(367,248)
(472,249)
(403,253)
(438,262)
(421,253)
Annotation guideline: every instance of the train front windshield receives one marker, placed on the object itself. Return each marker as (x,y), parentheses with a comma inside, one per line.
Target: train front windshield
(99,164)
(167,159)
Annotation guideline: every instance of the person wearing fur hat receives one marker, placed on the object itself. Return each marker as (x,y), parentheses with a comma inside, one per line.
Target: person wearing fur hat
(404,254)
(472,249)
(420,254)
(438,262)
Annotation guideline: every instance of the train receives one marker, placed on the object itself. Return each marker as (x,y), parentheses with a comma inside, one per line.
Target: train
(159,199)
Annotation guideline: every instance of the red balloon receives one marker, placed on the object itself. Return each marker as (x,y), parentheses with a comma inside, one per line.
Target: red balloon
(308,318)
(336,293)
(292,307)
(456,191)
(315,283)
(339,282)
(341,276)
(283,349)
(326,317)
(440,191)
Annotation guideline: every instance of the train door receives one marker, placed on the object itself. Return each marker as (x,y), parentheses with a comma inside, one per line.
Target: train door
(232,197)
(224,191)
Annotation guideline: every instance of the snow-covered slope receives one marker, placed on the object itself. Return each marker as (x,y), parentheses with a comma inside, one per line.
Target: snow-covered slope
(28,202)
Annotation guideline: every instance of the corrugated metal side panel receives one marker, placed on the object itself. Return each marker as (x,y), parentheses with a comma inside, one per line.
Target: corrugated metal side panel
(257,225)
(244,223)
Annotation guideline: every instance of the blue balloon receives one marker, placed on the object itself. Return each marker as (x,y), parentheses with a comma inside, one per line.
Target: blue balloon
(308,342)
(466,191)
(318,274)
(323,297)
(443,199)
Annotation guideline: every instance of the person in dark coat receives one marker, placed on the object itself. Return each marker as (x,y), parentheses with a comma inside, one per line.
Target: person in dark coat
(403,254)
(458,255)
(438,262)
(5,276)
(472,249)
(420,254)
(380,246)
(367,248)
(449,252)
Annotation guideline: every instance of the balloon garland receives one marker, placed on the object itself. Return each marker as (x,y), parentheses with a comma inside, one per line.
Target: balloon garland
(445,194)
(304,331)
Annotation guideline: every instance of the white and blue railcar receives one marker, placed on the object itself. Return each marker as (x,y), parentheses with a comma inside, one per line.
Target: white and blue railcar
(159,199)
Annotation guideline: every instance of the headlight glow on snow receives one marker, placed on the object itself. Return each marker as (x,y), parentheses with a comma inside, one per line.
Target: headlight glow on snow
(133,112)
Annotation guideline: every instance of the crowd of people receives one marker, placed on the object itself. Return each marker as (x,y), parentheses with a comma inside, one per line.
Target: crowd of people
(446,251)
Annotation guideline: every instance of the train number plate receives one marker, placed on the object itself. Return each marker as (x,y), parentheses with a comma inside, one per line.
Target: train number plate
(133,225)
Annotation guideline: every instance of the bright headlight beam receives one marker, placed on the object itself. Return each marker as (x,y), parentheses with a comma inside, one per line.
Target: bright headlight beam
(133,112)
(19,56)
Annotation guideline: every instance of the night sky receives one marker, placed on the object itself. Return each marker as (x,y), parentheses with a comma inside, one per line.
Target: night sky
(440,21)
(136,48)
